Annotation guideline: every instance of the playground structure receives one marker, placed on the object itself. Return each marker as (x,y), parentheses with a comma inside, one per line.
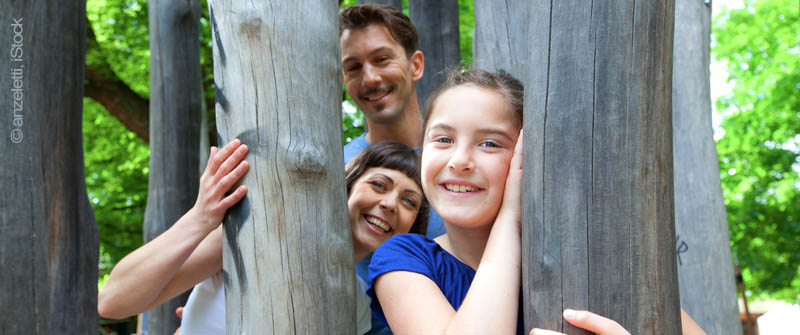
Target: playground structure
(602,106)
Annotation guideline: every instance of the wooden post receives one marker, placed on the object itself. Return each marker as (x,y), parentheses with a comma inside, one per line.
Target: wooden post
(499,37)
(394,3)
(287,250)
(705,269)
(175,123)
(48,235)
(437,25)
(598,229)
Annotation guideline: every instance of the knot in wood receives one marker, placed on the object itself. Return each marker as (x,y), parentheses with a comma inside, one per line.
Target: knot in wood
(249,23)
(306,159)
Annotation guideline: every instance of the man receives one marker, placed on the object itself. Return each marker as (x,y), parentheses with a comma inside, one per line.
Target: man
(381,61)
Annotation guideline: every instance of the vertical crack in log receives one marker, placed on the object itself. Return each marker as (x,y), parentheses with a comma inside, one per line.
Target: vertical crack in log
(590,197)
(630,152)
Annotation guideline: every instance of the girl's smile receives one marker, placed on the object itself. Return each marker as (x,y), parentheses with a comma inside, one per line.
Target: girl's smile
(469,141)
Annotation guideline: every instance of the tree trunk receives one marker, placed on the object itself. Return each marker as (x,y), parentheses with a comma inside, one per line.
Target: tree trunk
(598,229)
(287,250)
(499,37)
(705,269)
(175,116)
(48,235)
(394,3)
(437,25)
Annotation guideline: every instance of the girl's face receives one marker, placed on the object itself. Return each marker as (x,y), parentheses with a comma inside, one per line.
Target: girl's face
(469,141)
(382,203)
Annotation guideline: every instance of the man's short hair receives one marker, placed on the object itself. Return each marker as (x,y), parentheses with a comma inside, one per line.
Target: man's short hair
(399,25)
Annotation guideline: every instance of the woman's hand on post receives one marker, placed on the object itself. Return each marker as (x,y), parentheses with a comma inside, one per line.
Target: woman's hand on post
(589,321)
(224,169)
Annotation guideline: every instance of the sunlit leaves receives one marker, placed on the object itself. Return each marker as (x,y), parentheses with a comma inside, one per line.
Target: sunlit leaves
(759,151)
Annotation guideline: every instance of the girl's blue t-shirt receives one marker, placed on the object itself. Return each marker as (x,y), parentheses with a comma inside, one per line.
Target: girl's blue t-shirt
(419,254)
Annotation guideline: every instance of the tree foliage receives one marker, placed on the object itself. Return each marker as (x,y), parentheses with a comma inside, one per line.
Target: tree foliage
(761,143)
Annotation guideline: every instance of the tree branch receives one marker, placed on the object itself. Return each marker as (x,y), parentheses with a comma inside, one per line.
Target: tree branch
(103,85)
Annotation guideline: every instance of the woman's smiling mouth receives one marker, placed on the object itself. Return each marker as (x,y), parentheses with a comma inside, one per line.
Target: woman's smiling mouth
(377,224)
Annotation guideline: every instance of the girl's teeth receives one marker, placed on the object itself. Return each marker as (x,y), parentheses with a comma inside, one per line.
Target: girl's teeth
(378,223)
(459,188)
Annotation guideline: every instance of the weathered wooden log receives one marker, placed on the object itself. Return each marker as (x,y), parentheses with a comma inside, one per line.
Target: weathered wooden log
(598,224)
(287,252)
(175,125)
(499,37)
(48,235)
(394,3)
(705,268)
(437,25)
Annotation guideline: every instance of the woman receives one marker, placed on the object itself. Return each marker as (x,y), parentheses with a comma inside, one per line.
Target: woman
(384,199)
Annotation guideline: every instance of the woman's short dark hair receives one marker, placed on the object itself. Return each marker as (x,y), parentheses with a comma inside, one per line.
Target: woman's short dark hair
(393,156)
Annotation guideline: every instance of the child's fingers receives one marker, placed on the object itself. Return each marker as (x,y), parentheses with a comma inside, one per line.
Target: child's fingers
(593,322)
(216,160)
(516,159)
(211,154)
(232,161)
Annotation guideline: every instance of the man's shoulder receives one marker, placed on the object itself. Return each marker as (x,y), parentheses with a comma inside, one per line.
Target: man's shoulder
(355,147)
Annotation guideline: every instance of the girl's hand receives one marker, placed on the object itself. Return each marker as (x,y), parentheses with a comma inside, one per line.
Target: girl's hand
(224,169)
(512,198)
(589,321)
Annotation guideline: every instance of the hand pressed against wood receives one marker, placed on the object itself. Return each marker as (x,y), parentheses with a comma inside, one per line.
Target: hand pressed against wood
(186,253)
(224,169)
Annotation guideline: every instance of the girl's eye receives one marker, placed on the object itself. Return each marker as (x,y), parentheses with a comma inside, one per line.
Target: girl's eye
(378,185)
(490,144)
(443,140)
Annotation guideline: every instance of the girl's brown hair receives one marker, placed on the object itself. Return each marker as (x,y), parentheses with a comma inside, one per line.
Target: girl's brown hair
(501,82)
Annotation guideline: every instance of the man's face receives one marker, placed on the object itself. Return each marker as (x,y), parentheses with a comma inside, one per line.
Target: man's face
(376,72)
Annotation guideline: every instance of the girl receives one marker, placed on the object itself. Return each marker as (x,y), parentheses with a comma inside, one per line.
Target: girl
(384,198)
(468,280)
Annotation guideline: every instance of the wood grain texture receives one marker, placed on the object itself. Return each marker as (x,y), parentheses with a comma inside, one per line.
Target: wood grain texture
(287,254)
(394,3)
(598,230)
(437,25)
(705,268)
(175,126)
(48,235)
(499,37)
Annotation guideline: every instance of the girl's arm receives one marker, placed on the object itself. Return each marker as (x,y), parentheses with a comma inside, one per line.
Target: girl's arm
(185,254)
(413,303)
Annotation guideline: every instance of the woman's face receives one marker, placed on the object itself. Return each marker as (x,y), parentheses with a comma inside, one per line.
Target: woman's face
(382,203)
(468,144)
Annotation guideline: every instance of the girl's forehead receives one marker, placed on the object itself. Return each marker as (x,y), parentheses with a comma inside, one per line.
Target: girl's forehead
(470,104)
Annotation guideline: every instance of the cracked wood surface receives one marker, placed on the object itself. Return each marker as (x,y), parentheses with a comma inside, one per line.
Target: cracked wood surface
(175,117)
(48,235)
(287,250)
(598,230)
(705,269)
